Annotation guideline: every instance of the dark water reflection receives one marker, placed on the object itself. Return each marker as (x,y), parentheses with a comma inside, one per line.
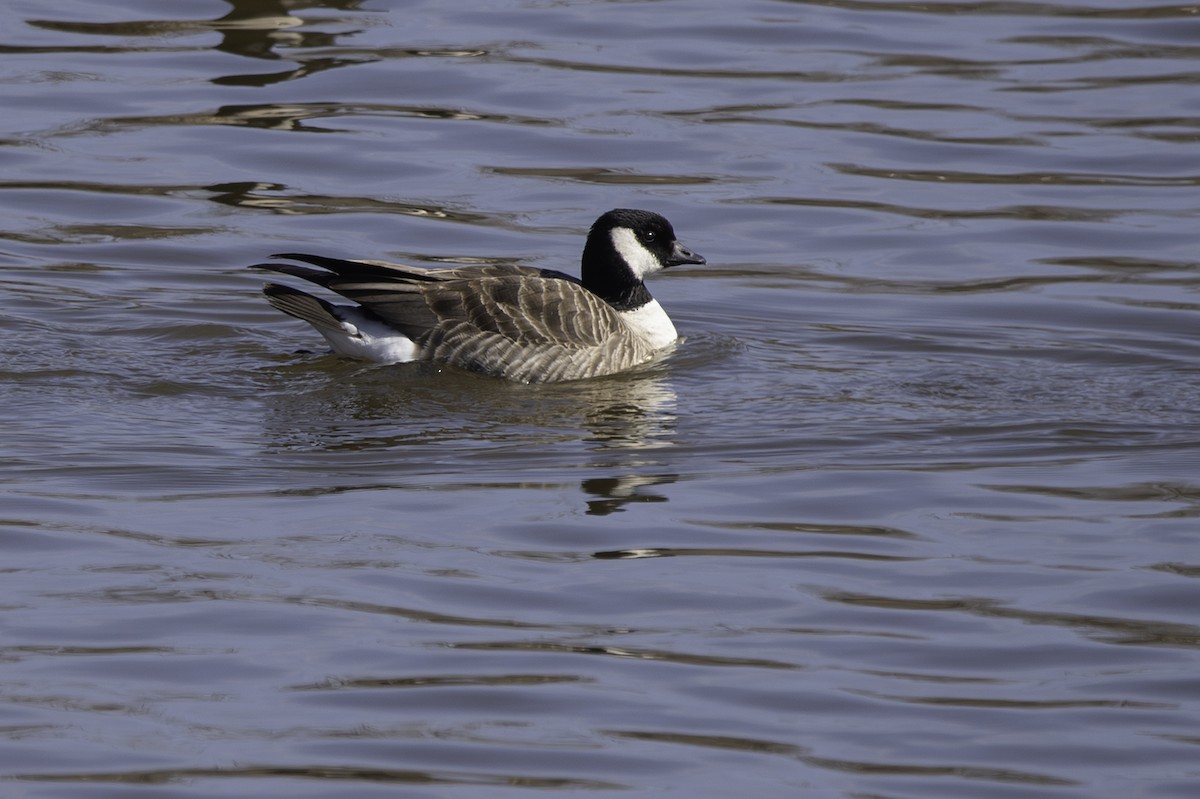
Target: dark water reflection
(910,513)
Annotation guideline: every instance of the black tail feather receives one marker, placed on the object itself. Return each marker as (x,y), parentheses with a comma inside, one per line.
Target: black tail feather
(302,305)
(318,276)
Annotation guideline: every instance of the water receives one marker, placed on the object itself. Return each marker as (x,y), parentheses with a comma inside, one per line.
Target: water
(911,513)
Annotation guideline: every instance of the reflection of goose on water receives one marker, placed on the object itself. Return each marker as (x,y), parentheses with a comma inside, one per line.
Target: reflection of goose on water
(521,323)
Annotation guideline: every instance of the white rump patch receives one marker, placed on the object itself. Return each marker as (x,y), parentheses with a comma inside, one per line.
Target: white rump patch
(369,339)
(640,260)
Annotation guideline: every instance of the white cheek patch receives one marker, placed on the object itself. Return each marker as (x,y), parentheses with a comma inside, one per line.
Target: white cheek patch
(640,260)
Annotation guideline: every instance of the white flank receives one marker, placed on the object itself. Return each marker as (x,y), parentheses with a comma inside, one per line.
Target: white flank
(651,324)
(369,339)
(640,260)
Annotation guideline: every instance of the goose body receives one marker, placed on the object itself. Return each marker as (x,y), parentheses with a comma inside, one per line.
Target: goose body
(517,322)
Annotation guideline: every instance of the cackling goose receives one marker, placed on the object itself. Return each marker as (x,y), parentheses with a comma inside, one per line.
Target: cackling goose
(517,322)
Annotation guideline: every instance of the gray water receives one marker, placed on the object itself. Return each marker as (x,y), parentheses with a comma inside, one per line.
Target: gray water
(911,513)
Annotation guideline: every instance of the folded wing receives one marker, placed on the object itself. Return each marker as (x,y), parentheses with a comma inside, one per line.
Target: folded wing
(517,322)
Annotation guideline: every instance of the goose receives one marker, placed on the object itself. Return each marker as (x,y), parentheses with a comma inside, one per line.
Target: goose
(520,323)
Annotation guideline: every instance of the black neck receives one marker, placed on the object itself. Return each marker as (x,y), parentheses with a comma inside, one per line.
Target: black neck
(605,274)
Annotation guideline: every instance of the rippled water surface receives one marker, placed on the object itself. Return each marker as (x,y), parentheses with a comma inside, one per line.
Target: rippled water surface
(912,512)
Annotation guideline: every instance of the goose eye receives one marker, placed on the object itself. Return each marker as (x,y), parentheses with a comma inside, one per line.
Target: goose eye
(650,236)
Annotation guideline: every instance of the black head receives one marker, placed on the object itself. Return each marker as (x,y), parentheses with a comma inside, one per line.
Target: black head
(624,246)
